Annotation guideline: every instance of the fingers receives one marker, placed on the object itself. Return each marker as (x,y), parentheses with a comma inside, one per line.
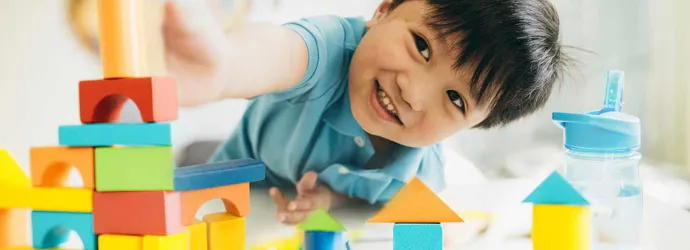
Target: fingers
(172,20)
(294,217)
(301,205)
(307,183)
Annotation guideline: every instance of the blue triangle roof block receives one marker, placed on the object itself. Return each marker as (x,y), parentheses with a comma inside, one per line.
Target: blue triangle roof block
(556,190)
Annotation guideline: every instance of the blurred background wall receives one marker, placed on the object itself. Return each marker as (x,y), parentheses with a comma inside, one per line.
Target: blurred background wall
(47,47)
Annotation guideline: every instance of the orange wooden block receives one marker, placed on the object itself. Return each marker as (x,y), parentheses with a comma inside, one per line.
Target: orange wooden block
(100,101)
(235,198)
(416,203)
(14,228)
(137,213)
(50,165)
(122,38)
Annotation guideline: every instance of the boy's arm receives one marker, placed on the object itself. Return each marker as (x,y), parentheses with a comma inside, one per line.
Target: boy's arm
(243,62)
(262,58)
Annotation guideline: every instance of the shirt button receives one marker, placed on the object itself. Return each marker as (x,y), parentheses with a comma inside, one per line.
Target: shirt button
(359,141)
(343,170)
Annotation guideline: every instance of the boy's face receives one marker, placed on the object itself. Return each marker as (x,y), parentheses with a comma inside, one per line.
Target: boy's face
(403,86)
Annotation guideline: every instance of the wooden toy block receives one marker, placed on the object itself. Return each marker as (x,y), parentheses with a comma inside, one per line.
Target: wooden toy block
(110,134)
(178,241)
(122,38)
(50,228)
(198,234)
(14,228)
(219,174)
(321,220)
(235,198)
(134,168)
(556,190)
(561,227)
(137,213)
(319,240)
(120,242)
(50,165)
(100,101)
(226,232)
(48,199)
(11,175)
(415,202)
(418,236)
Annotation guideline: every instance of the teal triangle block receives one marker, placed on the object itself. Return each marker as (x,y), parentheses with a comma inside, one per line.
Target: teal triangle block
(556,190)
(321,220)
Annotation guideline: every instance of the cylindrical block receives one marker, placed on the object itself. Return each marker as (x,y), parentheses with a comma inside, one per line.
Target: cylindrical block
(561,227)
(319,240)
(121,38)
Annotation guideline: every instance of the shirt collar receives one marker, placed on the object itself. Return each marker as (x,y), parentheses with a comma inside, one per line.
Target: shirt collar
(339,116)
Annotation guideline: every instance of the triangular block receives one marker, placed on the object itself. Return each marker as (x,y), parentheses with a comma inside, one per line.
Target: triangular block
(11,175)
(415,202)
(556,190)
(321,220)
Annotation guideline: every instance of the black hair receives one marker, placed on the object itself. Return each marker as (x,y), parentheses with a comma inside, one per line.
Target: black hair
(513,46)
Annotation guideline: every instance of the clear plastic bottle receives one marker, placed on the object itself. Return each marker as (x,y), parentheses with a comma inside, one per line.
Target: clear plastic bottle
(602,162)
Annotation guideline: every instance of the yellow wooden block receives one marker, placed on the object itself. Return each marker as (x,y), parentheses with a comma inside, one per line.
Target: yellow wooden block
(198,236)
(561,227)
(179,241)
(119,242)
(11,175)
(48,199)
(225,231)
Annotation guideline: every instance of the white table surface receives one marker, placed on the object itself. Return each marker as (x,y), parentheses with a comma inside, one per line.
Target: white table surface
(664,227)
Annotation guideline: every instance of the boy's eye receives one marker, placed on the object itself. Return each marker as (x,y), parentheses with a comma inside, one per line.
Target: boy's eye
(456,98)
(422,46)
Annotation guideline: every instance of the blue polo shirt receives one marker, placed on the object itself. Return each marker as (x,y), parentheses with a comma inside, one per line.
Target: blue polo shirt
(310,126)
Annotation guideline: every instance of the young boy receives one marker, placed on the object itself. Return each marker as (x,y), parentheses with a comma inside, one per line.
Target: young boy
(347,110)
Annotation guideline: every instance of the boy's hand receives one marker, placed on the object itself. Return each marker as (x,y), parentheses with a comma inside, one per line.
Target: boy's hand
(195,54)
(310,196)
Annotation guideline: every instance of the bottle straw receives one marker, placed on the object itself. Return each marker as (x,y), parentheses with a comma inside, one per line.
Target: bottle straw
(615,81)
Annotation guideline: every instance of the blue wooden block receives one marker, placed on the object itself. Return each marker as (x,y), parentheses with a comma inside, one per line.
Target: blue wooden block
(319,240)
(417,236)
(51,228)
(219,174)
(109,134)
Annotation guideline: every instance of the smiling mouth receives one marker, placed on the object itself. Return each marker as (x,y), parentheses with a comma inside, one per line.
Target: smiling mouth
(386,102)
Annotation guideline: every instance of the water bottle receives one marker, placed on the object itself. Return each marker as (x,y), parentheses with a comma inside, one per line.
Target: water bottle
(602,163)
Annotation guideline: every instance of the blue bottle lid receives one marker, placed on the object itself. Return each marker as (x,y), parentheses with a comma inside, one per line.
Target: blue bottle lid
(606,130)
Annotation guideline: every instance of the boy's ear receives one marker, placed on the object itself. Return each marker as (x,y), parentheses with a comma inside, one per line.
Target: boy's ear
(381,12)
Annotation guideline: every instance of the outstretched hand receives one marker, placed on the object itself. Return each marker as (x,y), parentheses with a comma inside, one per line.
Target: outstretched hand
(310,196)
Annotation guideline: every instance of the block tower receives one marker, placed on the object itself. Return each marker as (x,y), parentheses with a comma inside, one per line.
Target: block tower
(561,216)
(417,213)
(322,232)
(133,197)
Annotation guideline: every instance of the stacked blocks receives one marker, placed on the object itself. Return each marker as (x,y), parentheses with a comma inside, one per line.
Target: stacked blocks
(561,216)
(133,197)
(142,201)
(322,232)
(417,214)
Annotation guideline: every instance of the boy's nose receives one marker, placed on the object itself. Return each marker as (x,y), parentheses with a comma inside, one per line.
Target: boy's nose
(413,93)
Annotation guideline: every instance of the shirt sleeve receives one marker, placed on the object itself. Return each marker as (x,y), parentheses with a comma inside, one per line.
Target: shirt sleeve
(377,186)
(324,37)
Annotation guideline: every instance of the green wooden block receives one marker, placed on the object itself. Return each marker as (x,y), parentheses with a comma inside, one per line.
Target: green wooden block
(134,168)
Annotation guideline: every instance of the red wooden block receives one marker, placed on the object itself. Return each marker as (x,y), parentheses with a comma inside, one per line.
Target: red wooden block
(100,101)
(137,213)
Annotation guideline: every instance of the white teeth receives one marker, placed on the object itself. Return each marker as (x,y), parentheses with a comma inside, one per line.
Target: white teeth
(386,102)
